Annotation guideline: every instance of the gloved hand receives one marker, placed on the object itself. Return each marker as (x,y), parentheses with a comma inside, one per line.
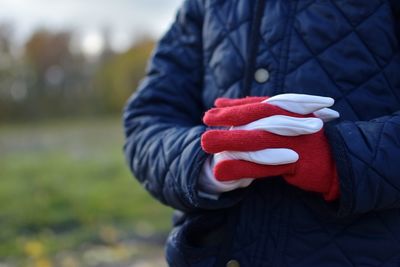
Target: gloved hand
(309,143)
(209,184)
(276,124)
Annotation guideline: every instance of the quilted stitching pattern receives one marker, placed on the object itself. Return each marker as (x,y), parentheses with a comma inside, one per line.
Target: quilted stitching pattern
(317,238)
(226,46)
(327,60)
(348,50)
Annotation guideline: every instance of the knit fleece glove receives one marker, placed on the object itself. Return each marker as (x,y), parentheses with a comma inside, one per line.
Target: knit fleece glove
(314,170)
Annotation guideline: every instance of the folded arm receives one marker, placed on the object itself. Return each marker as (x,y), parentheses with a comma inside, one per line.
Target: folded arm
(367,155)
(163,119)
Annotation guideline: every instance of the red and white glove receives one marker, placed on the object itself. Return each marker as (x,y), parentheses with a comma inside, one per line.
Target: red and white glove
(277,136)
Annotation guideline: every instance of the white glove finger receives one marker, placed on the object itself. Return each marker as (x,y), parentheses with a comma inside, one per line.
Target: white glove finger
(327,114)
(300,103)
(244,182)
(234,184)
(284,125)
(209,184)
(270,156)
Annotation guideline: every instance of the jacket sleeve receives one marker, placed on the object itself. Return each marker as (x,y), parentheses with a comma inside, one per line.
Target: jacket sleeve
(163,119)
(367,154)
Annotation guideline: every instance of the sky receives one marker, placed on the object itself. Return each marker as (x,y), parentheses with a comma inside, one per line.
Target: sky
(126,20)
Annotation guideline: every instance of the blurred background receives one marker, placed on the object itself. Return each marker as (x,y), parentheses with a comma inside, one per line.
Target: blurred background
(66,195)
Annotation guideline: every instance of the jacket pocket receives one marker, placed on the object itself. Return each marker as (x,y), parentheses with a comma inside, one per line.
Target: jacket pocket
(197,240)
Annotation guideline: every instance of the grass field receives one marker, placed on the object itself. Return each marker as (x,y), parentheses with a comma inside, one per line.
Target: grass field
(67,198)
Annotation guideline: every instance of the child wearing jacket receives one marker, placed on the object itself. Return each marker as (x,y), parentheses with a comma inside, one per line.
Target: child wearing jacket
(273,128)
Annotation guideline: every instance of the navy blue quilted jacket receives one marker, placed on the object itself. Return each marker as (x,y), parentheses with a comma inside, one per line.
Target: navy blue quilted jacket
(345,49)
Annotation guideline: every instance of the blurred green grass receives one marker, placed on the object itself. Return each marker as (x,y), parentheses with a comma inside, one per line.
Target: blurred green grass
(65,184)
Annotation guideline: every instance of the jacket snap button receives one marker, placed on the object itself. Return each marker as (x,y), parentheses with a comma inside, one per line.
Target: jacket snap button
(233,263)
(261,75)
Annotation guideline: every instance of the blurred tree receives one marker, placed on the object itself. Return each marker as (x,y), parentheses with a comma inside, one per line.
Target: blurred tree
(49,79)
(6,32)
(118,77)
(60,80)
(107,52)
(45,49)
(7,71)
